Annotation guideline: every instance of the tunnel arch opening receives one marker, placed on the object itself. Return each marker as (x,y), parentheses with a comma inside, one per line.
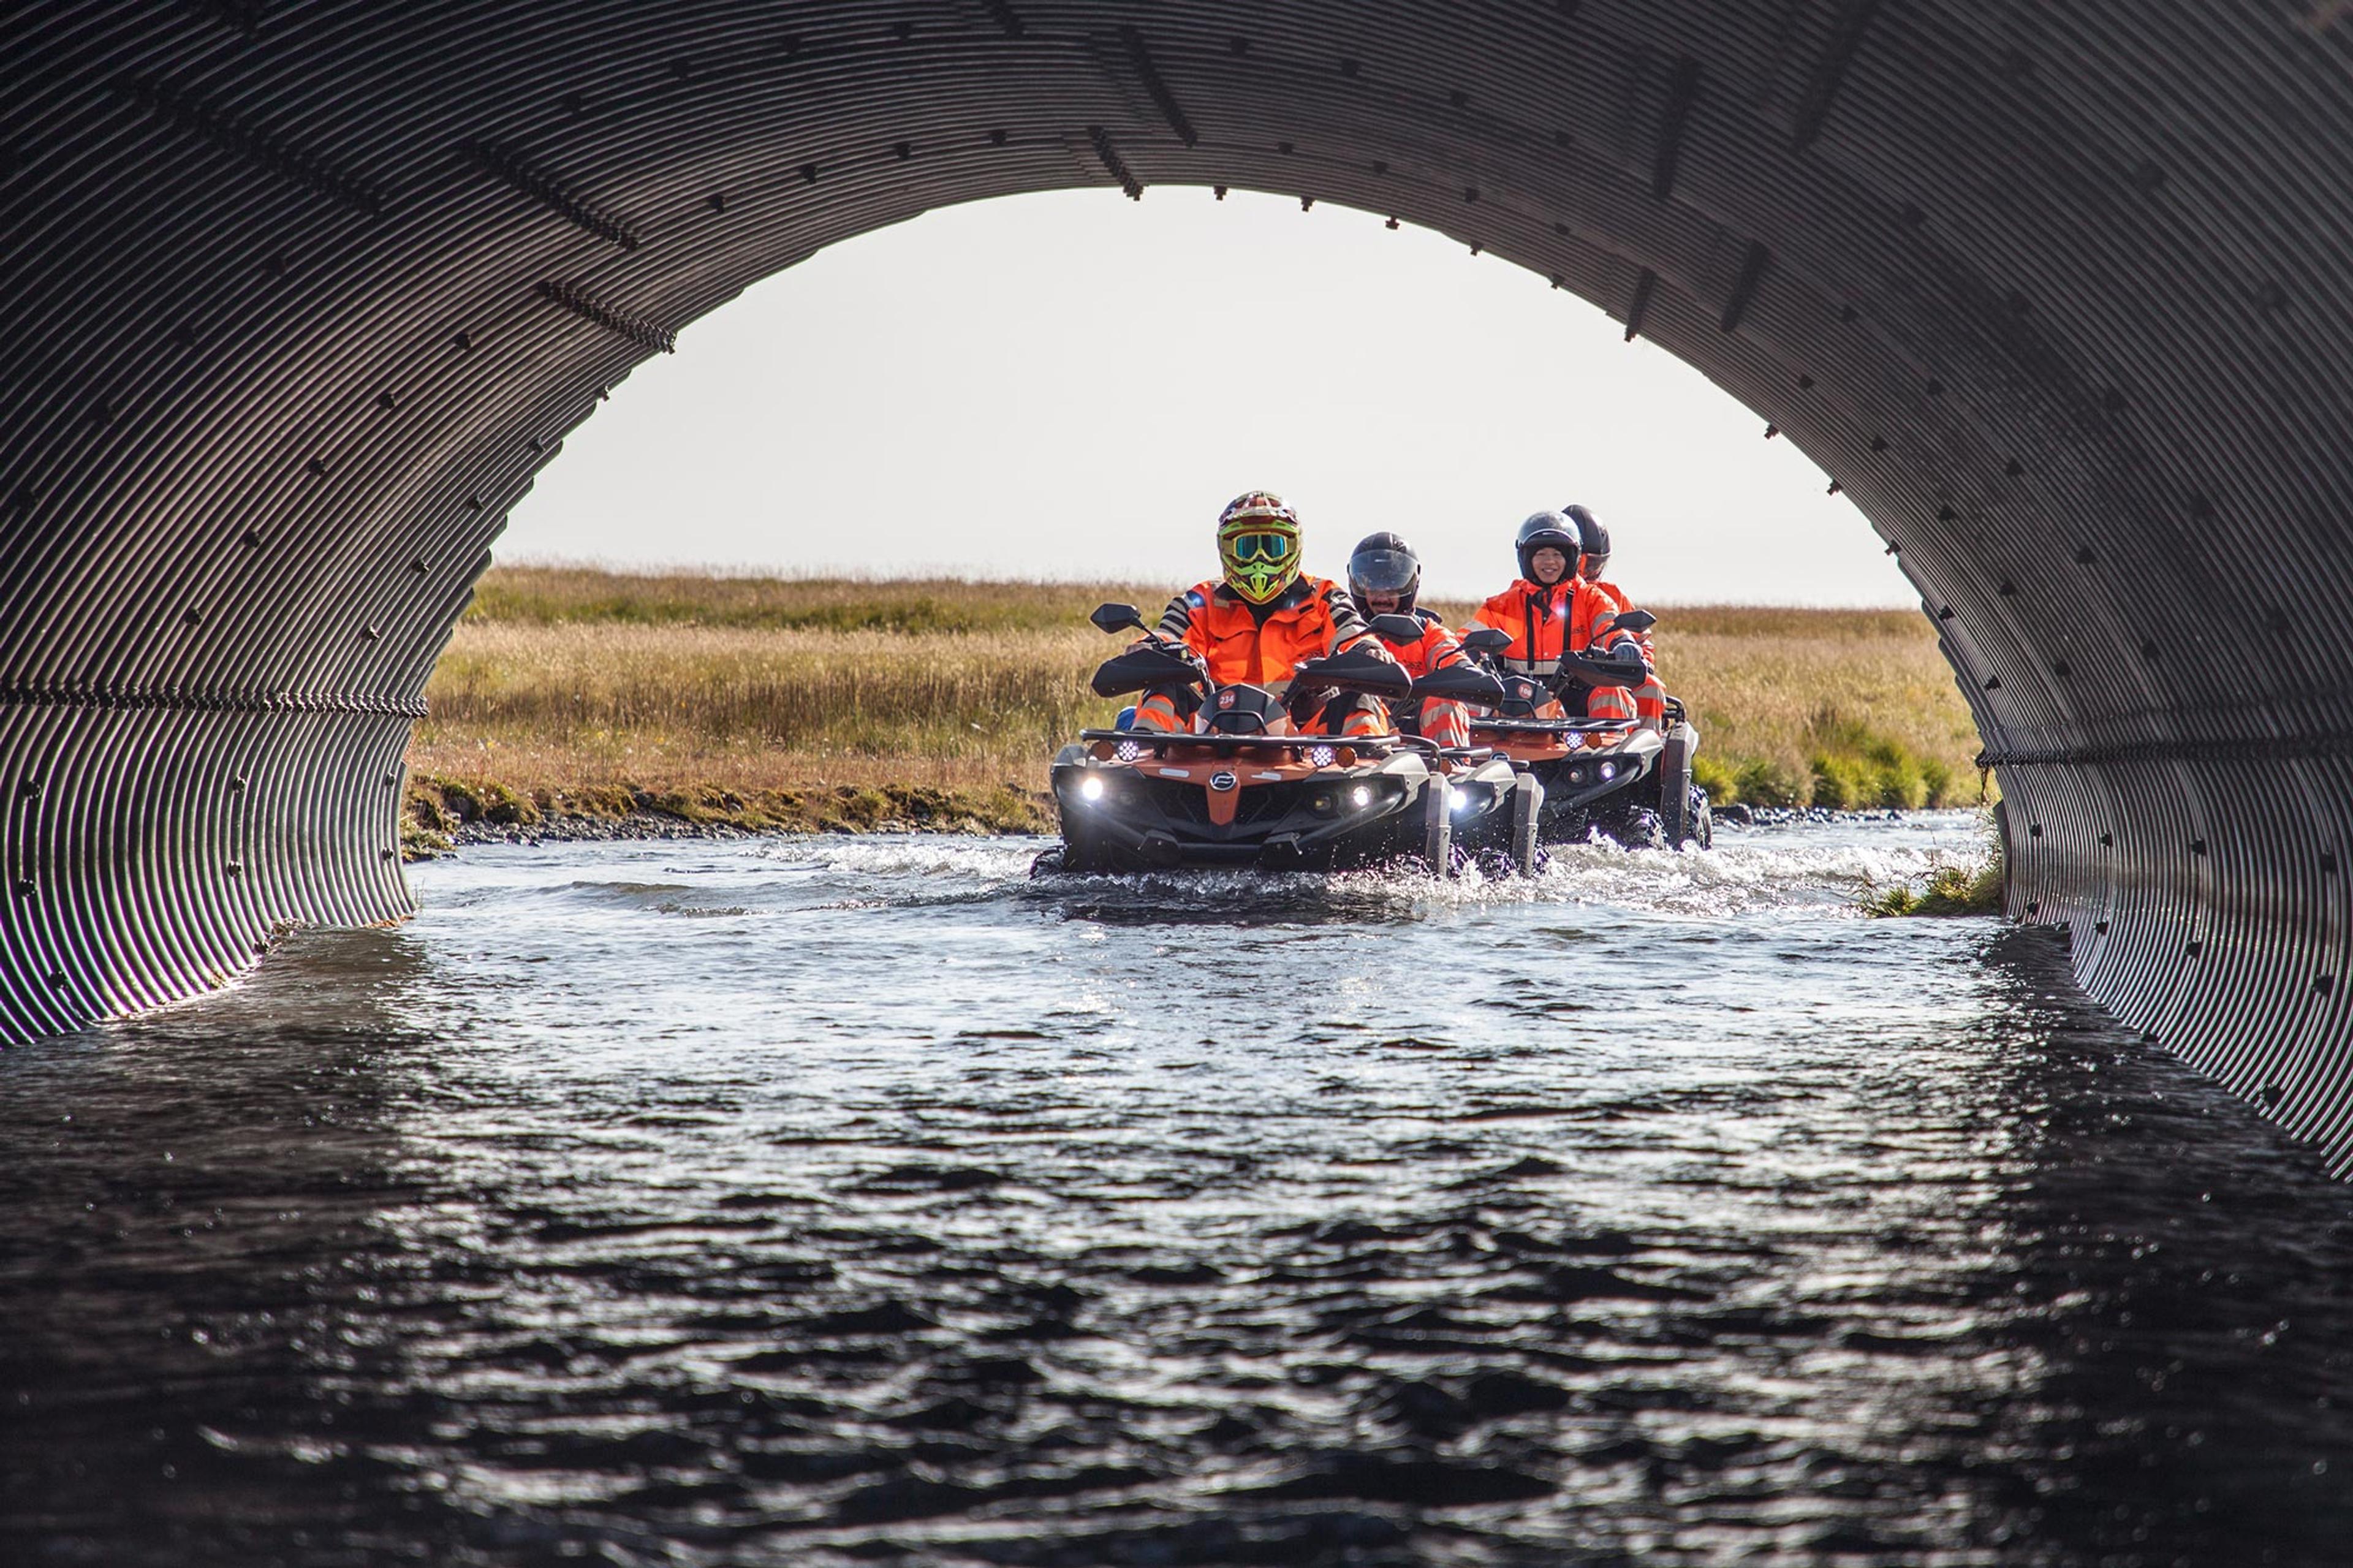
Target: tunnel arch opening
(307,293)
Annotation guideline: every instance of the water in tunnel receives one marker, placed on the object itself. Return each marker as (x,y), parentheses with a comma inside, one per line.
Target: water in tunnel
(310,293)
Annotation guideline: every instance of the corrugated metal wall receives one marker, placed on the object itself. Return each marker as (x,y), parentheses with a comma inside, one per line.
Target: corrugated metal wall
(295,298)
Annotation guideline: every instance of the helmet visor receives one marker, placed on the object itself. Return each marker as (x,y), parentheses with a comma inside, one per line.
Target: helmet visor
(1382,571)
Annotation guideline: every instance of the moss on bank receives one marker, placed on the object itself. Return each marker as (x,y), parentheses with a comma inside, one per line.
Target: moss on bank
(438,809)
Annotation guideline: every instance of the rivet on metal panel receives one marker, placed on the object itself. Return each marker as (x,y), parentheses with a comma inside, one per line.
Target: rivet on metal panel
(24,887)
(2034,906)
(2107,840)
(2101,927)
(316,467)
(385,853)
(234,869)
(997,137)
(2197,846)
(808,174)
(236,783)
(2324,984)
(58,978)
(2272,1094)
(2034,830)
(369,634)
(193,618)
(2194,948)
(718,200)
(28,787)
(250,538)
(418,567)
(465,342)
(387,401)
(905,150)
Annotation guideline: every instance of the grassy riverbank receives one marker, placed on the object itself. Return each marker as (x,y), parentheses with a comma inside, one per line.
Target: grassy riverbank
(815,703)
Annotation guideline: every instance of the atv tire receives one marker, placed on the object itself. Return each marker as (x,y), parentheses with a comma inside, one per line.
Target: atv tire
(1703,823)
(1438,828)
(1528,819)
(1683,805)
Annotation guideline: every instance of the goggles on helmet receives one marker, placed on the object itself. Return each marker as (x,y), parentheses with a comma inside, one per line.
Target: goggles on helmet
(1248,548)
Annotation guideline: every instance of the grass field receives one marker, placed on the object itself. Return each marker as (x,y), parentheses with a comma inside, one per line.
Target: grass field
(827,703)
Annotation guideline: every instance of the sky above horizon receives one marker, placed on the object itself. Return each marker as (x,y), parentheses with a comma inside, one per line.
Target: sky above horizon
(1071,385)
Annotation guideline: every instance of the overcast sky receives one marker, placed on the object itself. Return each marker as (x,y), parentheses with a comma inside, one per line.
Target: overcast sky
(1073,384)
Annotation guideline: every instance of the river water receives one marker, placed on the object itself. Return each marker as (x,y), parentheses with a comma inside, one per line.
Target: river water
(860,1200)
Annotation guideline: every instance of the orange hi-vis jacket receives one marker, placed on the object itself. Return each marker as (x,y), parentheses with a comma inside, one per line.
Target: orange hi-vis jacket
(1546,623)
(1311,618)
(1435,649)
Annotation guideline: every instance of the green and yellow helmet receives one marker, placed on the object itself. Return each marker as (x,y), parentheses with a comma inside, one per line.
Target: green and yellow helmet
(1258,542)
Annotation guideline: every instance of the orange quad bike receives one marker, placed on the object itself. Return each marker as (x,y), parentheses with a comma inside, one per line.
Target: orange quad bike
(1243,788)
(1629,783)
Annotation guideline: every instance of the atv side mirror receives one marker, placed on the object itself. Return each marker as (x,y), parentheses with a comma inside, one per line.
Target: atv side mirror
(1397,628)
(1486,639)
(1118,618)
(1636,621)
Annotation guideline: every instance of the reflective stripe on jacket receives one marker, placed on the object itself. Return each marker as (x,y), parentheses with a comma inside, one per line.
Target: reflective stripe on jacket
(1435,650)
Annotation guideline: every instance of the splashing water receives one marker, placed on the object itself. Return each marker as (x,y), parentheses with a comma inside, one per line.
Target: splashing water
(858,1199)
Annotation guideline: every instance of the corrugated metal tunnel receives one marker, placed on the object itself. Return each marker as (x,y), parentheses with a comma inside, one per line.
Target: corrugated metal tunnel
(297,296)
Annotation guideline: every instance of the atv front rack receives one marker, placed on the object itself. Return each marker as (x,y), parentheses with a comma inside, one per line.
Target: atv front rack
(1129,746)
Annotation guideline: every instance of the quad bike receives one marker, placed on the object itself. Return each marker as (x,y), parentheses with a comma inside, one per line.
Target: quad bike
(1631,783)
(1244,788)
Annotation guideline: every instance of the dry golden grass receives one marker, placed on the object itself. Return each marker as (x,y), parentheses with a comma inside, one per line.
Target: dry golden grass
(564,679)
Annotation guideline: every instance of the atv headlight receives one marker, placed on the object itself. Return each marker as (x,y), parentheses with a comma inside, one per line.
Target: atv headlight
(1608,771)
(1319,756)
(1361,796)
(1462,800)
(1127,751)
(1576,776)
(1090,788)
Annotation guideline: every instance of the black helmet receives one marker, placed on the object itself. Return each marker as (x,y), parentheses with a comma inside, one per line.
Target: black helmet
(1384,563)
(1547,531)
(1593,534)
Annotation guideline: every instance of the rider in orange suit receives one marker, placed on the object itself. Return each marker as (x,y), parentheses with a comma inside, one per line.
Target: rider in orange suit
(1593,537)
(1385,578)
(1260,622)
(1552,610)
